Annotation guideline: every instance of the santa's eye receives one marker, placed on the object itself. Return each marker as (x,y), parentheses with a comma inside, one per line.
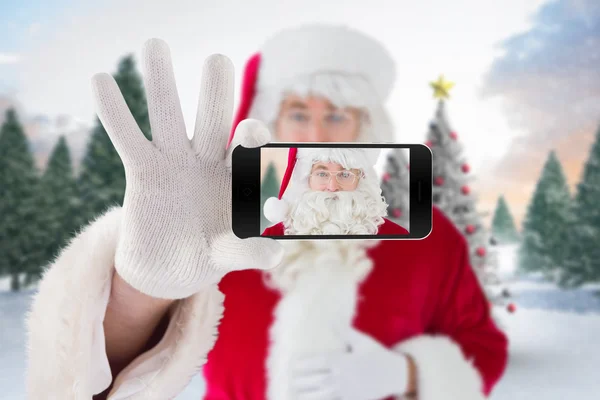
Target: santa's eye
(336,117)
(299,117)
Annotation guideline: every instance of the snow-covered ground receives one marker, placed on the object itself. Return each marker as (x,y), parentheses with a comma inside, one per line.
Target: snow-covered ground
(553,356)
(554,341)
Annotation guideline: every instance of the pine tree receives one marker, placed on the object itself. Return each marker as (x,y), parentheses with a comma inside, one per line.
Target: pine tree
(269,188)
(453,195)
(395,187)
(59,201)
(19,230)
(102,179)
(503,224)
(582,260)
(548,215)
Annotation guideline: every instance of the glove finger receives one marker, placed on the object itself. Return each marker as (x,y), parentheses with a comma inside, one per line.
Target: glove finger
(314,363)
(232,253)
(164,108)
(303,383)
(215,108)
(250,133)
(122,129)
(326,393)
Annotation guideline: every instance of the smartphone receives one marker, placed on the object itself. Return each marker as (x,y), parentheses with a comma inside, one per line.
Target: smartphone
(303,191)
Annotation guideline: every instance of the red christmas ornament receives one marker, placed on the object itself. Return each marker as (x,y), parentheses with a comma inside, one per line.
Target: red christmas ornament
(397,213)
(439,181)
(465,168)
(453,135)
(470,229)
(408,167)
(386,177)
(480,252)
(428,143)
(465,190)
(511,308)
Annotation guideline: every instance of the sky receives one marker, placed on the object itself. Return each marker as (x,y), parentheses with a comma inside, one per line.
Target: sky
(549,82)
(503,56)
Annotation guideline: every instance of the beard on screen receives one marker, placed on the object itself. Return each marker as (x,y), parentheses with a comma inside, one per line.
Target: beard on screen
(357,212)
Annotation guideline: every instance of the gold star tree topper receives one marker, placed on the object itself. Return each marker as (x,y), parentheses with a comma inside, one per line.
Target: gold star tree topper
(441,87)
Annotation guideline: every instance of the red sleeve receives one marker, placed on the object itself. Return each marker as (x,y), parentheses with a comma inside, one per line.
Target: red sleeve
(463,313)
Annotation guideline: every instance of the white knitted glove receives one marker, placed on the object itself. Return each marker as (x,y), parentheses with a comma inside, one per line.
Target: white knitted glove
(366,371)
(176,234)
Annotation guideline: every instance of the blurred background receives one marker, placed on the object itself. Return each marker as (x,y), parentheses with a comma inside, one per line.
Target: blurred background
(522,119)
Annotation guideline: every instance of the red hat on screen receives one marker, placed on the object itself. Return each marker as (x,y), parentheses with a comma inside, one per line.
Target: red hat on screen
(275,208)
(299,166)
(343,65)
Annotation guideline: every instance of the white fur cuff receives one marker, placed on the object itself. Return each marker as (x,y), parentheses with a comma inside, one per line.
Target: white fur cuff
(66,345)
(66,358)
(443,373)
(165,370)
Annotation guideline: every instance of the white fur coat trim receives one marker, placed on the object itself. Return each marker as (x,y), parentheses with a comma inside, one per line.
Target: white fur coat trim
(66,352)
(443,373)
(320,287)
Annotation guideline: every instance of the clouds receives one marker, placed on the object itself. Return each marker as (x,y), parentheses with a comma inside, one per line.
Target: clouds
(549,82)
(424,44)
(9,58)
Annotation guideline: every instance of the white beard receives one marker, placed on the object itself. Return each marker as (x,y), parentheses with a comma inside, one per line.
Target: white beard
(358,212)
(319,279)
(319,282)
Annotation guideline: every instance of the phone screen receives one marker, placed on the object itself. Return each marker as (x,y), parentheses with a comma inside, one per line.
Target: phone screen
(332,191)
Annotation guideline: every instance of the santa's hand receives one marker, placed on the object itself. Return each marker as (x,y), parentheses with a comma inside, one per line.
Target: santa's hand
(176,234)
(367,371)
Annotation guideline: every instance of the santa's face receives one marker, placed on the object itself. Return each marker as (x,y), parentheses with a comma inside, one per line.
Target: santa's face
(337,201)
(316,119)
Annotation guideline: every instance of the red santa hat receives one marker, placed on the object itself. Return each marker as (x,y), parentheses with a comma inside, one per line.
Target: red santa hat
(299,166)
(335,62)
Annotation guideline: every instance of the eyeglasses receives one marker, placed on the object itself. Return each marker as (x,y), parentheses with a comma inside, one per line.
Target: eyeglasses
(344,178)
(334,121)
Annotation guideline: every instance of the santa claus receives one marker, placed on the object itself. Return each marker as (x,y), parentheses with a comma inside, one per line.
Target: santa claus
(330,191)
(150,293)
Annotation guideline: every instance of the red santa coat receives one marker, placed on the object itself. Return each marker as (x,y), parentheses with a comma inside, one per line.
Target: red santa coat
(421,297)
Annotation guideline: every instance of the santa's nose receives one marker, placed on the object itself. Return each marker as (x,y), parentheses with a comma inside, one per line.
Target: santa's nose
(317,133)
(333,185)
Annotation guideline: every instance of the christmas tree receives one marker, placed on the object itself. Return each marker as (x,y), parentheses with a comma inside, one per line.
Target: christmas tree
(395,187)
(582,263)
(548,215)
(503,224)
(269,188)
(453,195)
(102,179)
(19,201)
(59,205)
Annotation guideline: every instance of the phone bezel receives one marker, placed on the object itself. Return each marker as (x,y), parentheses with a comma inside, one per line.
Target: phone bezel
(246,175)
